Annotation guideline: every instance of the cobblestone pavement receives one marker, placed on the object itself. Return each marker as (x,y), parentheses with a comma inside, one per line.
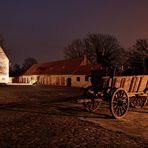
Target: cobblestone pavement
(49,117)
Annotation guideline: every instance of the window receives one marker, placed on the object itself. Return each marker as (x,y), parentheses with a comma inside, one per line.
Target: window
(86,78)
(78,78)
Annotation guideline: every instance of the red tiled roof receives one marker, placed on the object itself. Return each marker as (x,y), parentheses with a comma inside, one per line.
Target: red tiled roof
(32,69)
(86,69)
(56,67)
(72,66)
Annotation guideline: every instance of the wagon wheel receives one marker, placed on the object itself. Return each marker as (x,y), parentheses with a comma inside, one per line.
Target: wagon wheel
(138,101)
(119,103)
(133,101)
(92,105)
(143,101)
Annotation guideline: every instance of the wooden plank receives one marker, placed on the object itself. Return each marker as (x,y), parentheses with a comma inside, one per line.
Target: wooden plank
(117,82)
(139,84)
(143,84)
(129,83)
(136,83)
(122,82)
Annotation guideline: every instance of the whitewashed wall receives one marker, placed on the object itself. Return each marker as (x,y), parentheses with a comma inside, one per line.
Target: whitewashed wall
(55,80)
(82,82)
(4,67)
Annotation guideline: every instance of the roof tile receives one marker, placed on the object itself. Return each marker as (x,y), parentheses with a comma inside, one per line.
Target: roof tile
(72,66)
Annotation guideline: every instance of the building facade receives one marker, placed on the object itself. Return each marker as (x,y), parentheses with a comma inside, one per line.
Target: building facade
(71,72)
(4,67)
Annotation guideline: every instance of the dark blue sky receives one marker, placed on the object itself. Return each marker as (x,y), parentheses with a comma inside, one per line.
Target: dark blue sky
(42,28)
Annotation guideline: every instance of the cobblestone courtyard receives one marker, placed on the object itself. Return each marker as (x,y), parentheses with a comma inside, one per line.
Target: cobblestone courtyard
(35,116)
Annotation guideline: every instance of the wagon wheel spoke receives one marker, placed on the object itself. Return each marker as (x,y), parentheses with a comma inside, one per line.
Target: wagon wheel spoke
(121,111)
(125,97)
(144,101)
(122,94)
(125,100)
(133,101)
(116,97)
(117,111)
(124,106)
(115,107)
(115,102)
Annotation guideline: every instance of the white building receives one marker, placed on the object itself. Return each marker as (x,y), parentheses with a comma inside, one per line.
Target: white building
(72,72)
(4,67)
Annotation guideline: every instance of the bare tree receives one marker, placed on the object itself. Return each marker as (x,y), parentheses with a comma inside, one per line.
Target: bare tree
(141,46)
(28,62)
(138,56)
(75,49)
(100,48)
(15,70)
(106,48)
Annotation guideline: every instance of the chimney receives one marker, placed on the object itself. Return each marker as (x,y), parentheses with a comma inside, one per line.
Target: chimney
(85,60)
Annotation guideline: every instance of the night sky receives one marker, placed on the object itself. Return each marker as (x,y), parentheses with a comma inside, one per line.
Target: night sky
(42,28)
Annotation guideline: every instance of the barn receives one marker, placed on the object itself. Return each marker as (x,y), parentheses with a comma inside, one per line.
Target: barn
(4,67)
(72,72)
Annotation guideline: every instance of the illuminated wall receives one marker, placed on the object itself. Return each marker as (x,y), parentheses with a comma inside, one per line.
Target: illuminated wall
(4,67)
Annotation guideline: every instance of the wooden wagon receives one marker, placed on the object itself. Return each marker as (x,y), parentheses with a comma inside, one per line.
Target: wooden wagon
(120,91)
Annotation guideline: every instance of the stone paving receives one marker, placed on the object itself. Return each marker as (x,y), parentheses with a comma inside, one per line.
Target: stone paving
(49,117)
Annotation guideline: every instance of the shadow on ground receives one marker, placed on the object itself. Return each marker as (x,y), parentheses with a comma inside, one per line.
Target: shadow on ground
(63,107)
(66,106)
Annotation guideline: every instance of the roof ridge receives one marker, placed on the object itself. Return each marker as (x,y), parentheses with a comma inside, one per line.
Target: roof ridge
(72,59)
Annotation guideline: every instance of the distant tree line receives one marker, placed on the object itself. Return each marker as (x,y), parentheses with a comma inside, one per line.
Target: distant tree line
(105,49)
(16,69)
(102,49)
